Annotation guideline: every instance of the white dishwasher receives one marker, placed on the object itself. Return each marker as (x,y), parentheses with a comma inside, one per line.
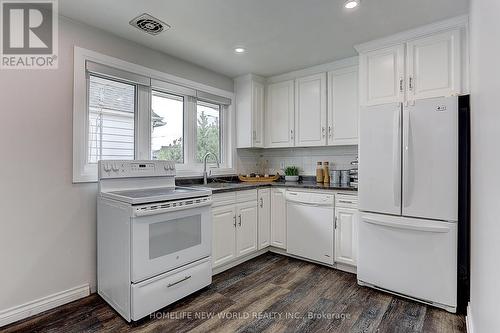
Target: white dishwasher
(310,225)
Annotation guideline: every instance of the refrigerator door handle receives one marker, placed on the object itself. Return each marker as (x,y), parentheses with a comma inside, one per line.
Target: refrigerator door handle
(406,157)
(396,157)
(408,226)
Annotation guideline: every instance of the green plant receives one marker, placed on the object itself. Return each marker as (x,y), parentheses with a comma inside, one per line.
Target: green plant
(291,171)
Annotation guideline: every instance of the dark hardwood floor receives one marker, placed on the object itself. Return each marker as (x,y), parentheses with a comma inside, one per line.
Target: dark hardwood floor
(270,293)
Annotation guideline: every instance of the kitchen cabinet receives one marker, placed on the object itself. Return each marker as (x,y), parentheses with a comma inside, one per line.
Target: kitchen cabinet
(346,229)
(234,221)
(382,75)
(249,111)
(278,218)
(280,114)
(246,229)
(310,110)
(416,68)
(433,66)
(343,106)
(224,236)
(264,218)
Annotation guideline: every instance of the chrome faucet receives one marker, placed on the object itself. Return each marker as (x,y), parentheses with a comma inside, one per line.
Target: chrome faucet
(205,180)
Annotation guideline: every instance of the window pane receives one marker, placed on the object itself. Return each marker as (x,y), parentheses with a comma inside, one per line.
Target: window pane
(111,120)
(208,130)
(167,126)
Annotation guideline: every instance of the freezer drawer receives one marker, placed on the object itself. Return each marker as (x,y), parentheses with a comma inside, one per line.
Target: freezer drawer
(160,291)
(412,257)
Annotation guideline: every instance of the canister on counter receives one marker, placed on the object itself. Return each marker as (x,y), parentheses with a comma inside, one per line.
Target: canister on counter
(335,177)
(344,177)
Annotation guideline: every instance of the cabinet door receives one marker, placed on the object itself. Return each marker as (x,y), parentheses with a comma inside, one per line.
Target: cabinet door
(258,114)
(343,106)
(278,218)
(224,235)
(434,66)
(310,110)
(346,235)
(246,230)
(382,76)
(280,114)
(264,202)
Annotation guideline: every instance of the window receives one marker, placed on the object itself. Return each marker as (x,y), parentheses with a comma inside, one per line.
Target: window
(167,127)
(208,130)
(126,111)
(111,120)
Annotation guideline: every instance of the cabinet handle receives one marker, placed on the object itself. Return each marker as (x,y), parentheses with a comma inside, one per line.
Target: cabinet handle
(410,83)
(291,134)
(335,221)
(234,219)
(330,132)
(254,135)
(323,131)
(240,220)
(261,203)
(346,202)
(401,84)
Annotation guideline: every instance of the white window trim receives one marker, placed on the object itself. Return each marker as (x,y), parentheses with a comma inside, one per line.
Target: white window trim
(84,172)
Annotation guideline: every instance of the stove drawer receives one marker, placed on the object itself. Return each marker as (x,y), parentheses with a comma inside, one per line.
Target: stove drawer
(154,294)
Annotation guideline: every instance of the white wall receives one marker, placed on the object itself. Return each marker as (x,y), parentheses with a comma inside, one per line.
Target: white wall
(485,194)
(48,224)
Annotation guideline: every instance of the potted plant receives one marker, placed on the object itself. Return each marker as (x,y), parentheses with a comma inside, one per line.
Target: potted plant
(291,174)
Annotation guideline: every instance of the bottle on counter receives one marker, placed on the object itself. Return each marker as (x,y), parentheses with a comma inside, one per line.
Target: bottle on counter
(326,173)
(319,172)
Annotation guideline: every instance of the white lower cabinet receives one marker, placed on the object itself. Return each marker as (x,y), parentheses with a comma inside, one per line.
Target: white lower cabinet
(224,236)
(264,207)
(278,218)
(346,230)
(246,229)
(235,221)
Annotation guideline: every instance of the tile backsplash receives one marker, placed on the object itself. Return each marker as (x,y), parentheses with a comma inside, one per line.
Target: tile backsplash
(253,160)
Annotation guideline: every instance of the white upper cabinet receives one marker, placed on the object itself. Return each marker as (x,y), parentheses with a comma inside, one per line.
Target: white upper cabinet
(433,66)
(382,75)
(310,111)
(343,106)
(280,114)
(249,111)
(426,62)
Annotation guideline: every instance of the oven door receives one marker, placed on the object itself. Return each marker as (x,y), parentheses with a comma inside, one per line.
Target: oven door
(167,240)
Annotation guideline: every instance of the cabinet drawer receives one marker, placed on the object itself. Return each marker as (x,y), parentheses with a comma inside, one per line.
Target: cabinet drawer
(346,200)
(155,293)
(248,195)
(223,199)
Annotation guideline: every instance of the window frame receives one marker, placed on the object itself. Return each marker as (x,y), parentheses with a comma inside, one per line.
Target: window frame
(191,91)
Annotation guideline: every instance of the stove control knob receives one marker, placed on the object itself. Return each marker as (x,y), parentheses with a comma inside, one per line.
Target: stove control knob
(115,167)
(106,167)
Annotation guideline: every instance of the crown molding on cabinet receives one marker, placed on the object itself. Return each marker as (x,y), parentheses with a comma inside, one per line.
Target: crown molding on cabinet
(323,68)
(453,23)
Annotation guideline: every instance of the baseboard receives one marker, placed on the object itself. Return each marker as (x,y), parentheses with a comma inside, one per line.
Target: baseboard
(42,304)
(238,261)
(468,320)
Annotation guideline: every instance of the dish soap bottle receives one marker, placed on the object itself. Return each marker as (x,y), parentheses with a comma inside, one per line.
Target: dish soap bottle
(326,173)
(319,173)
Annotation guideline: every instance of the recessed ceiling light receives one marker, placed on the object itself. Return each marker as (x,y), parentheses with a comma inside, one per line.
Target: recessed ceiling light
(239,50)
(350,4)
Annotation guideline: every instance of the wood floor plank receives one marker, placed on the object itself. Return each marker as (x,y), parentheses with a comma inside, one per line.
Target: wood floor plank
(270,293)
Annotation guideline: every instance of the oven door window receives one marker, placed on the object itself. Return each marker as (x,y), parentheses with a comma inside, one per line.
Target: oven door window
(174,235)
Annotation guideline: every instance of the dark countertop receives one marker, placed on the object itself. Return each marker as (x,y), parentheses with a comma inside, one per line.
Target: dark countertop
(221,187)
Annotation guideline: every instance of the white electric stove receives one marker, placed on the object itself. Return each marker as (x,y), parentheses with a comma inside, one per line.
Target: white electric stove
(154,239)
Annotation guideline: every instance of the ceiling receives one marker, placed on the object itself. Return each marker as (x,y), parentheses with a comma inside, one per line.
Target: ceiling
(279,35)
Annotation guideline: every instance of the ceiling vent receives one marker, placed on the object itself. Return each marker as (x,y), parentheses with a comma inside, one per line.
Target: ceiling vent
(149,24)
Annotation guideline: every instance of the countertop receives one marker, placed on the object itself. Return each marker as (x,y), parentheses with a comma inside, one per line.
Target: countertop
(221,187)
